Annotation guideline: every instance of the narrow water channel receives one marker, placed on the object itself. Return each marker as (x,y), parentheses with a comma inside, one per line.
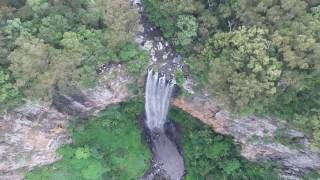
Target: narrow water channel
(167,160)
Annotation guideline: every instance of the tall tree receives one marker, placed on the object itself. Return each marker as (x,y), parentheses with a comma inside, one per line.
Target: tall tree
(29,60)
(121,18)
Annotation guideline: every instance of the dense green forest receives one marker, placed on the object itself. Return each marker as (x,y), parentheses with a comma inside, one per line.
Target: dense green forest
(212,156)
(107,147)
(55,45)
(255,56)
(111,147)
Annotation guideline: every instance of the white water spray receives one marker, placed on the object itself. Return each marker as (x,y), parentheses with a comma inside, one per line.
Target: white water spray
(157,100)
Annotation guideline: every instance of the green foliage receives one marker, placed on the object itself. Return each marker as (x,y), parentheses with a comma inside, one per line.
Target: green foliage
(161,17)
(240,65)
(128,52)
(7,89)
(181,21)
(9,93)
(82,152)
(212,156)
(70,41)
(180,78)
(37,5)
(58,45)
(28,61)
(259,57)
(52,28)
(188,27)
(174,19)
(122,20)
(94,171)
(313,175)
(294,30)
(107,147)
(14,29)
(135,58)
(139,64)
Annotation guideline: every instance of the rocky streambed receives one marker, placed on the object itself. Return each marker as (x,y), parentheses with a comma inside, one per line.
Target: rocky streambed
(163,56)
(167,162)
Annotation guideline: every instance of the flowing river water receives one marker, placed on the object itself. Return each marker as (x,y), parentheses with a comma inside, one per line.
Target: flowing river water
(168,162)
(157,99)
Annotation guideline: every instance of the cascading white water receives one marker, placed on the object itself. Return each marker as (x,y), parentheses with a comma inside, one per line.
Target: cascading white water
(157,100)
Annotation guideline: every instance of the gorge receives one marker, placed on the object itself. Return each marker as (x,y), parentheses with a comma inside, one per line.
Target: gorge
(201,136)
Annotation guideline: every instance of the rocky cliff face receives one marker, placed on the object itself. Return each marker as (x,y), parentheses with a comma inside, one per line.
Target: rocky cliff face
(31,134)
(257,136)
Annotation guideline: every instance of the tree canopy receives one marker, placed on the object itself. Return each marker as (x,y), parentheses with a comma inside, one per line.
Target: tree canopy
(49,45)
(257,57)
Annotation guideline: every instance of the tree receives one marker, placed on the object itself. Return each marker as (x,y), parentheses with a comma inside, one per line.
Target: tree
(94,171)
(242,66)
(28,61)
(64,73)
(14,29)
(82,153)
(188,28)
(121,18)
(8,91)
(52,28)
(71,41)
(38,5)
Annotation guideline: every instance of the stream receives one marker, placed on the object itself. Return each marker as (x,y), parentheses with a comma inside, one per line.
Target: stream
(167,162)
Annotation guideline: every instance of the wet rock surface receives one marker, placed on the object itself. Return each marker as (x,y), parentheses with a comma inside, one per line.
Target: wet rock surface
(163,56)
(167,162)
(111,89)
(31,134)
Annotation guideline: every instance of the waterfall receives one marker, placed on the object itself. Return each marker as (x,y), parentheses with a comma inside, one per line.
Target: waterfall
(157,99)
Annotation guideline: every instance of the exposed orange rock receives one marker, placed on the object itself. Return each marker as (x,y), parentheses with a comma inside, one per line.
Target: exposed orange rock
(204,111)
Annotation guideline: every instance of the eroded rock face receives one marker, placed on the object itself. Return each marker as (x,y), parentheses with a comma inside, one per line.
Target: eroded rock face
(251,133)
(29,137)
(31,134)
(111,89)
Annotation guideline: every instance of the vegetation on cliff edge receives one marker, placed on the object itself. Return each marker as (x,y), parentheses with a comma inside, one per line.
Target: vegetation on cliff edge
(107,147)
(257,57)
(56,45)
(209,155)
